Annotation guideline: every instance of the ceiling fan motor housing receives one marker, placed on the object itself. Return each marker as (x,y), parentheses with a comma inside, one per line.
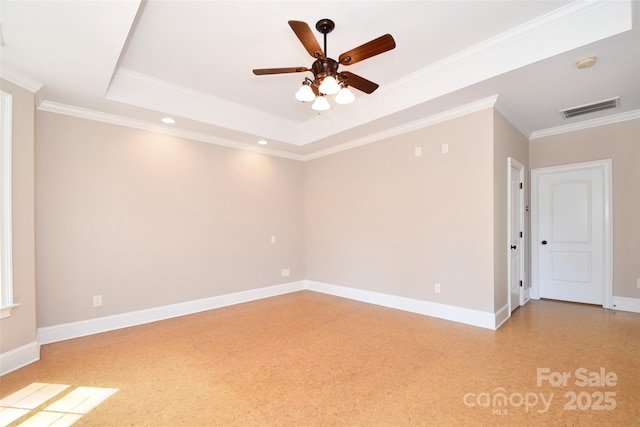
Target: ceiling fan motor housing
(324,67)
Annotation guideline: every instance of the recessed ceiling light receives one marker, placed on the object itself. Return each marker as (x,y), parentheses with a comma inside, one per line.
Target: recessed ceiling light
(586,62)
(262,142)
(168,120)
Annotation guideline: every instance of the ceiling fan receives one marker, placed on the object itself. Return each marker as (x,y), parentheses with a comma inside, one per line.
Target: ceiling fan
(327,79)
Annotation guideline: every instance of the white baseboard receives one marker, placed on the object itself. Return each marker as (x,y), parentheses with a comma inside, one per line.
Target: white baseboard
(625,304)
(29,353)
(501,316)
(19,357)
(442,311)
(67,331)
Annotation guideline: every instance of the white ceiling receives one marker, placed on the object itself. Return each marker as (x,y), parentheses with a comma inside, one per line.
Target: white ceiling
(132,63)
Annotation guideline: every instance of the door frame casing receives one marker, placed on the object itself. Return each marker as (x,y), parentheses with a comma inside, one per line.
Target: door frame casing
(513,163)
(606,168)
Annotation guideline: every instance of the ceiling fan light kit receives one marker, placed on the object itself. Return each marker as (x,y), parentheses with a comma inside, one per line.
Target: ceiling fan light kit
(321,104)
(305,93)
(327,80)
(345,96)
(329,86)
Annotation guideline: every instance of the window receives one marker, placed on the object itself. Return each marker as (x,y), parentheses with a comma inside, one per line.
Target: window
(6,277)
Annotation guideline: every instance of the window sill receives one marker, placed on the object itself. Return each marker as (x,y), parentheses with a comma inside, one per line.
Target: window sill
(6,311)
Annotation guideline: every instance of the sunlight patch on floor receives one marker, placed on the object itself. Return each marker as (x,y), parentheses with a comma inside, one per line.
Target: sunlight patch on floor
(66,410)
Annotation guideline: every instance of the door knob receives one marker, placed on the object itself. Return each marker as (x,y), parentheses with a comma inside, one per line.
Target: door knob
(513,246)
(544,242)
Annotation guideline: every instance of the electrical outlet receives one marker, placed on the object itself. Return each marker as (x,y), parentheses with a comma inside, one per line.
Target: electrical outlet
(97,301)
(445,148)
(273,239)
(418,151)
(436,288)
(638,283)
(285,272)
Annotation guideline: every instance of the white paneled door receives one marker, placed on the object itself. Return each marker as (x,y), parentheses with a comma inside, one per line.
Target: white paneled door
(571,223)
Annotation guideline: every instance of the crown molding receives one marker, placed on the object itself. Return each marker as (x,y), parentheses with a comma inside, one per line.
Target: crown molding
(21,79)
(453,113)
(83,113)
(507,112)
(601,121)
(490,102)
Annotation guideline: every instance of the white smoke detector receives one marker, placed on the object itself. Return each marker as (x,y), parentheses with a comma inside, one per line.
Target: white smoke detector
(586,62)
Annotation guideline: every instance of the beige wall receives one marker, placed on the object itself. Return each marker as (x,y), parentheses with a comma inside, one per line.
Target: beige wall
(146,220)
(508,142)
(20,329)
(621,143)
(380,219)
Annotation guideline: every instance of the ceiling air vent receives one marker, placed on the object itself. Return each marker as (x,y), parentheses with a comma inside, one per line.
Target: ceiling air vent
(591,108)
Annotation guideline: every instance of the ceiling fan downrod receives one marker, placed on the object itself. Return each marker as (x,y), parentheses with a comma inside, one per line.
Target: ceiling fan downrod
(325,26)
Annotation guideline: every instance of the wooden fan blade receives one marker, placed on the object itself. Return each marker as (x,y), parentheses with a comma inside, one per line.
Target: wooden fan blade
(367,50)
(307,38)
(263,71)
(358,82)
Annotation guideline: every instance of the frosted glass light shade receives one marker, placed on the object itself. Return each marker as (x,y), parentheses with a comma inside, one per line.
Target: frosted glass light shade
(329,86)
(345,96)
(321,104)
(305,94)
